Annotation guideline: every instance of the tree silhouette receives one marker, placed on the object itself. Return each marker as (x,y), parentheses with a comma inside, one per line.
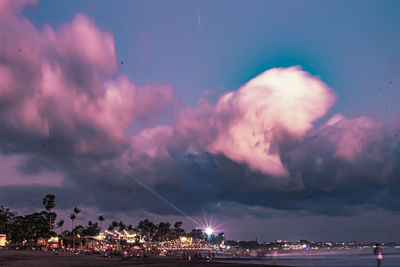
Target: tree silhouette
(60,224)
(76,211)
(121,226)
(163,230)
(49,203)
(101,220)
(113,225)
(73,217)
(178,226)
(146,229)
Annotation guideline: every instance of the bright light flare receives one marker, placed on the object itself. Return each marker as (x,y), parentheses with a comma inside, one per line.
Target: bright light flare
(209,231)
(210,228)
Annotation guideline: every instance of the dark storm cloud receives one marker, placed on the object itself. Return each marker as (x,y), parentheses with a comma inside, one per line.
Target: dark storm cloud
(204,182)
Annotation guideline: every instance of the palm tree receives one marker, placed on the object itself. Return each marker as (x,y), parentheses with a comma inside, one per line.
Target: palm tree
(113,225)
(101,220)
(73,216)
(178,226)
(60,224)
(48,203)
(76,211)
(121,226)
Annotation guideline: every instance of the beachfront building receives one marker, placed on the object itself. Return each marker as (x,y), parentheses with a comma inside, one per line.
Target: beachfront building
(3,240)
(53,242)
(41,242)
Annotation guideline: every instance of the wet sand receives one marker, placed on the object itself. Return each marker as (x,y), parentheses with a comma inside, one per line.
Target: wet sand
(40,258)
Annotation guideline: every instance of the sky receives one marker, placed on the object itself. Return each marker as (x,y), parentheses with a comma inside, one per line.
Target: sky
(269,119)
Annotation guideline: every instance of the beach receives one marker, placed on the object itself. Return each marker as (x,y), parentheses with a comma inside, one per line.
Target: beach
(42,259)
(342,258)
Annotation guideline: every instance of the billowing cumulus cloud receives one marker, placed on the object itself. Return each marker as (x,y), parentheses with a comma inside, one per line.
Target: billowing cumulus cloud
(250,123)
(277,105)
(65,109)
(57,89)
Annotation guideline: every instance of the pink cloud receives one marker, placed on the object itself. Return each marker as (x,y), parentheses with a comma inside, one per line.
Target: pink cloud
(151,142)
(9,7)
(81,40)
(247,125)
(144,153)
(62,85)
(196,125)
(352,137)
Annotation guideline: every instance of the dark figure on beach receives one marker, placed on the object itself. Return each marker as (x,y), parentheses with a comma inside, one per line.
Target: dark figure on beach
(378,253)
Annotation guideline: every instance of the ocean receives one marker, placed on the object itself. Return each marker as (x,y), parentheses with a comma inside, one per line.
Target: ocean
(331,258)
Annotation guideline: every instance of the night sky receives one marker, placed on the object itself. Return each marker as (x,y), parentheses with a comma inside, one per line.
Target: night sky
(272,119)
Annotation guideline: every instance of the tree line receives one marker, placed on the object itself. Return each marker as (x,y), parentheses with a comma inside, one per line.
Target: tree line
(19,228)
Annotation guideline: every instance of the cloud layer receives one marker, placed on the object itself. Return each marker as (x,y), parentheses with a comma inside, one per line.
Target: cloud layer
(66,109)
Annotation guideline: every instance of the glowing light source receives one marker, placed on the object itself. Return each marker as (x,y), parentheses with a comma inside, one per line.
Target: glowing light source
(100,236)
(209,231)
(2,240)
(53,239)
(108,232)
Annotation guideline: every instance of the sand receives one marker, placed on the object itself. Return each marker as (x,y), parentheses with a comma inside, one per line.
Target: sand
(41,258)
